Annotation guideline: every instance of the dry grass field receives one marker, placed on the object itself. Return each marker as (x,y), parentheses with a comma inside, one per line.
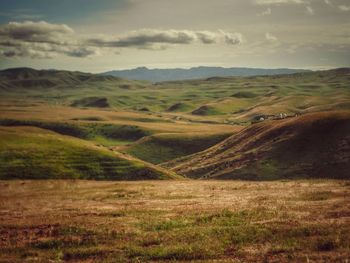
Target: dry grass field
(156,122)
(188,221)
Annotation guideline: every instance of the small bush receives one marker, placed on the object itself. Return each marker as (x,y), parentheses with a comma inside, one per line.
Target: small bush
(325,244)
(317,196)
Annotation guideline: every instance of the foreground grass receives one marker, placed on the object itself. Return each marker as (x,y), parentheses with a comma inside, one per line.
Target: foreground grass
(158,221)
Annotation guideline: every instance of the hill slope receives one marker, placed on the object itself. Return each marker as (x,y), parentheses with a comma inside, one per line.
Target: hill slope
(160,148)
(33,153)
(314,145)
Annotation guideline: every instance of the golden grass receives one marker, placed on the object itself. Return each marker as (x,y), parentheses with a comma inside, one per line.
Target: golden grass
(188,221)
(158,123)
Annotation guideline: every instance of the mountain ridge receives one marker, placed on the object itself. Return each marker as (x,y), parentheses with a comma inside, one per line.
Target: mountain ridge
(28,78)
(173,74)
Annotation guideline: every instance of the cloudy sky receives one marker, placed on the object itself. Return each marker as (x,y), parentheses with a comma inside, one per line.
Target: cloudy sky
(97,36)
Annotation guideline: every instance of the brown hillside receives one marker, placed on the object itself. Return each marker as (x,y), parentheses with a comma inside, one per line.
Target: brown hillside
(314,145)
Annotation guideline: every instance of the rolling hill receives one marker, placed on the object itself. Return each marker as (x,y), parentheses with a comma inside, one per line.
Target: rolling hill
(315,145)
(34,153)
(215,99)
(163,147)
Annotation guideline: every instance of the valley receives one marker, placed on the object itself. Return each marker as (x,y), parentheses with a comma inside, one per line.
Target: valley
(228,169)
(182,125)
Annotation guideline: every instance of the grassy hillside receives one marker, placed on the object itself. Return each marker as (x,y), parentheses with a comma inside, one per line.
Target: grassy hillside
(164,147)
(311,146)
(104,133)
(33,153)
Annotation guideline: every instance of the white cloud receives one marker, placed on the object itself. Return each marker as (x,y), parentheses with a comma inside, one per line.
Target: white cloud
(344,8)
(232,38)
(207,37)
(267,12)
(270,37)
(310,10)
(328,2)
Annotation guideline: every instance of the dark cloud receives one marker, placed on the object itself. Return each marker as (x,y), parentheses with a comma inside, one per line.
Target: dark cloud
(35,31)
(26,51)
(40,40)
(81,52)
(9,53)
(44,40)
(145,38)
(149,37)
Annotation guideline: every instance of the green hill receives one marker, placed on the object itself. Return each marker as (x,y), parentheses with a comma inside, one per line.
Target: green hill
(33,153)
(104,133)
(164,147)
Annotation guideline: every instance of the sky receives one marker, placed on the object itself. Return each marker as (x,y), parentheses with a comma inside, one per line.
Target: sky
(97,36)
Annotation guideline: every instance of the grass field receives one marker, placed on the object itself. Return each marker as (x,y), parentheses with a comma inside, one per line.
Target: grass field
(193,221)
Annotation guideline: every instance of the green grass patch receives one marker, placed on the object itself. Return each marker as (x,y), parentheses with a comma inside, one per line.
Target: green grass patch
(164,147)
(97,102)
(106,134)
(31,153)
(179,107)
(317,196)
(206,110)
(244,94)
(88,118)
(174,253)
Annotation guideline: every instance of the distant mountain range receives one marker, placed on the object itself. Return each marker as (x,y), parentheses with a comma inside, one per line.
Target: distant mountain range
(30,78)
(157,75)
